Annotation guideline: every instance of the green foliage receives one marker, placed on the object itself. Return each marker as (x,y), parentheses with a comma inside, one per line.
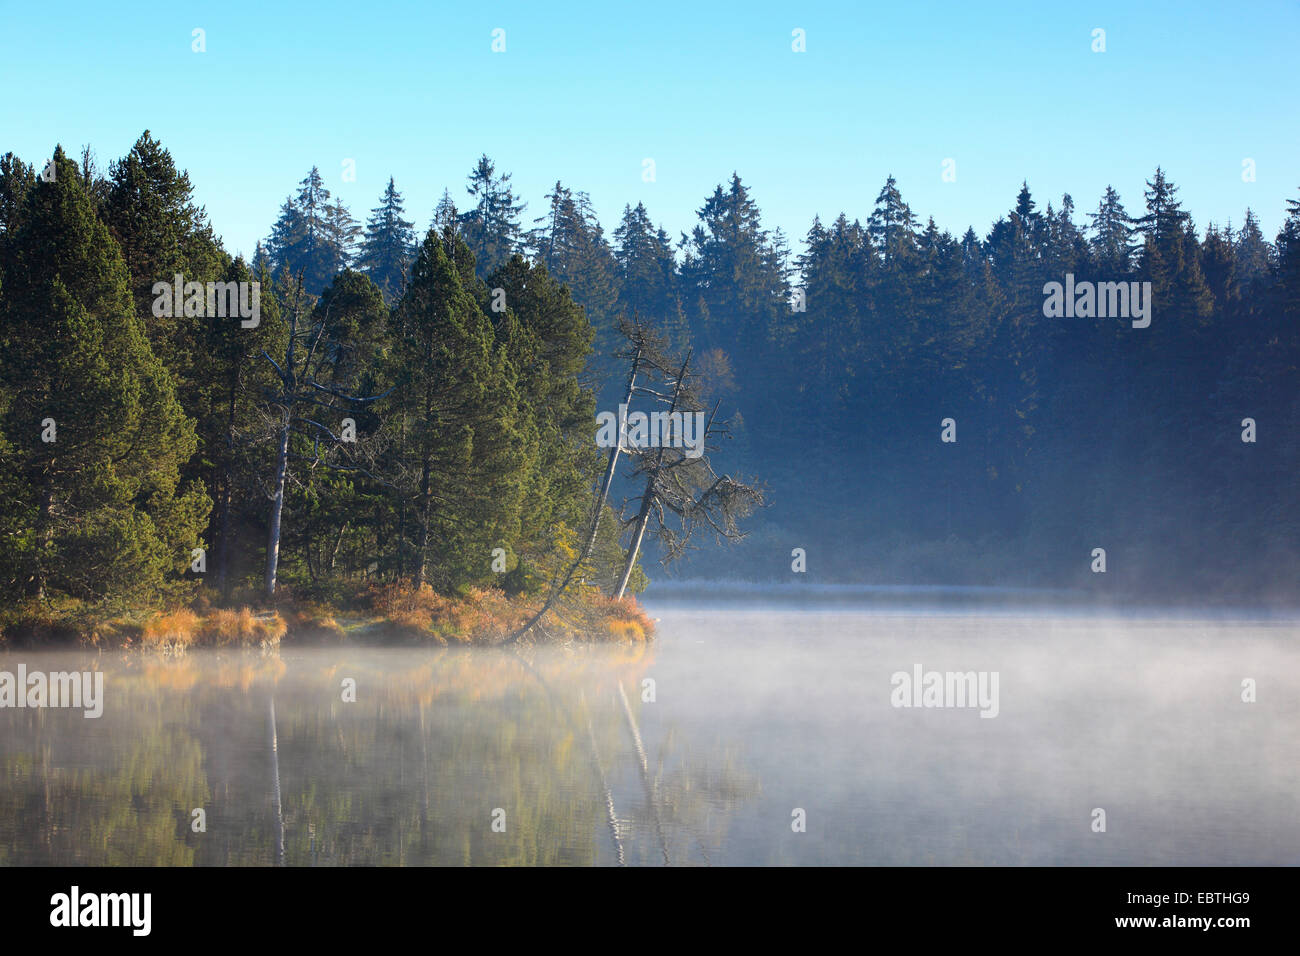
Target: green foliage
(388,246)
(481,348)
(464,454)
(102,512)
(491,227)
(313,237)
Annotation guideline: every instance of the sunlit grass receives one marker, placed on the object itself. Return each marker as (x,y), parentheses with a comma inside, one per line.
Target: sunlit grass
(384,613)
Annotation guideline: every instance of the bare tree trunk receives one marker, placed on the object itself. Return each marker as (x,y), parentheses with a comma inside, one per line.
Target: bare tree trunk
(424,790)
(275,784)
(611,816)
(648,499)
(277,507)
(608,479)
(45,524)
(227,498)
(424,527)
(595,518)
(634,547)
(338,543)
(645,772)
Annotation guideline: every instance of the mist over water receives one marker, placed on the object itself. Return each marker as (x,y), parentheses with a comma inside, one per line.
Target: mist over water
(756,711)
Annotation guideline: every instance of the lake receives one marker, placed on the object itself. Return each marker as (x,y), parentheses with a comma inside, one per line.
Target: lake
(745,734)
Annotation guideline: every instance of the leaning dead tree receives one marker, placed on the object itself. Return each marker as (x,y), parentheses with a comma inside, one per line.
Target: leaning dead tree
(683,494)
(645,355)
(312,402)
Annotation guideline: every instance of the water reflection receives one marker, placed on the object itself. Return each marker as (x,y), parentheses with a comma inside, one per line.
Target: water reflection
(756,713)
(288,771)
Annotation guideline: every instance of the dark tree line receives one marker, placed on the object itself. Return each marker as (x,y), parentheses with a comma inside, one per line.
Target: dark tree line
(471,363)
(837,366)
(414,422)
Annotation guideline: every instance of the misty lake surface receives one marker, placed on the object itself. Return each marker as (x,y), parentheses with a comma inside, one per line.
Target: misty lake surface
(490,756)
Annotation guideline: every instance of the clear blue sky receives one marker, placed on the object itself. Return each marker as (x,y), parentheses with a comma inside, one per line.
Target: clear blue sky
(586,91)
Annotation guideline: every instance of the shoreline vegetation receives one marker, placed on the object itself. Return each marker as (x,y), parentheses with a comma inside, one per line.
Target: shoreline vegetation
(390,615)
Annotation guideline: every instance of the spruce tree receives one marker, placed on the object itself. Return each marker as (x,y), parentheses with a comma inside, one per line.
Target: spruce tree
(312,237)
(549,348)
(1164,216)
(892,225)
(491,228)
(388,245)
(1252,254)
(341,236)
(648,286)
(733,280)
(1287,269)
(1111,242)
(458,397)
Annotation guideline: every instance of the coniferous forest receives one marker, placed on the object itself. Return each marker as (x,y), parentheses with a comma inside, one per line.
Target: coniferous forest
(413,407)
(585,435)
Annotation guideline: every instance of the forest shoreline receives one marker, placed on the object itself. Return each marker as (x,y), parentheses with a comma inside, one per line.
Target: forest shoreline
(382,617)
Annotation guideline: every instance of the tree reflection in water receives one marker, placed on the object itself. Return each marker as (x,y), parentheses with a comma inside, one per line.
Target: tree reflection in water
(408,774)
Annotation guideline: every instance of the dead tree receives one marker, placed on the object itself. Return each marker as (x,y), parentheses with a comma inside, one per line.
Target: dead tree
(645,352)
(307,397)
(679,489)
(684,490)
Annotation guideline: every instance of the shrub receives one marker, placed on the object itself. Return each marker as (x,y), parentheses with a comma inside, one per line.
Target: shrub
(174,629)
(243,627)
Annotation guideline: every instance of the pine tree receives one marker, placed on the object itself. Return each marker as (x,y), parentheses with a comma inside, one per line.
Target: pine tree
(103,513)
(460,405)
(148,207)
(16,180)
